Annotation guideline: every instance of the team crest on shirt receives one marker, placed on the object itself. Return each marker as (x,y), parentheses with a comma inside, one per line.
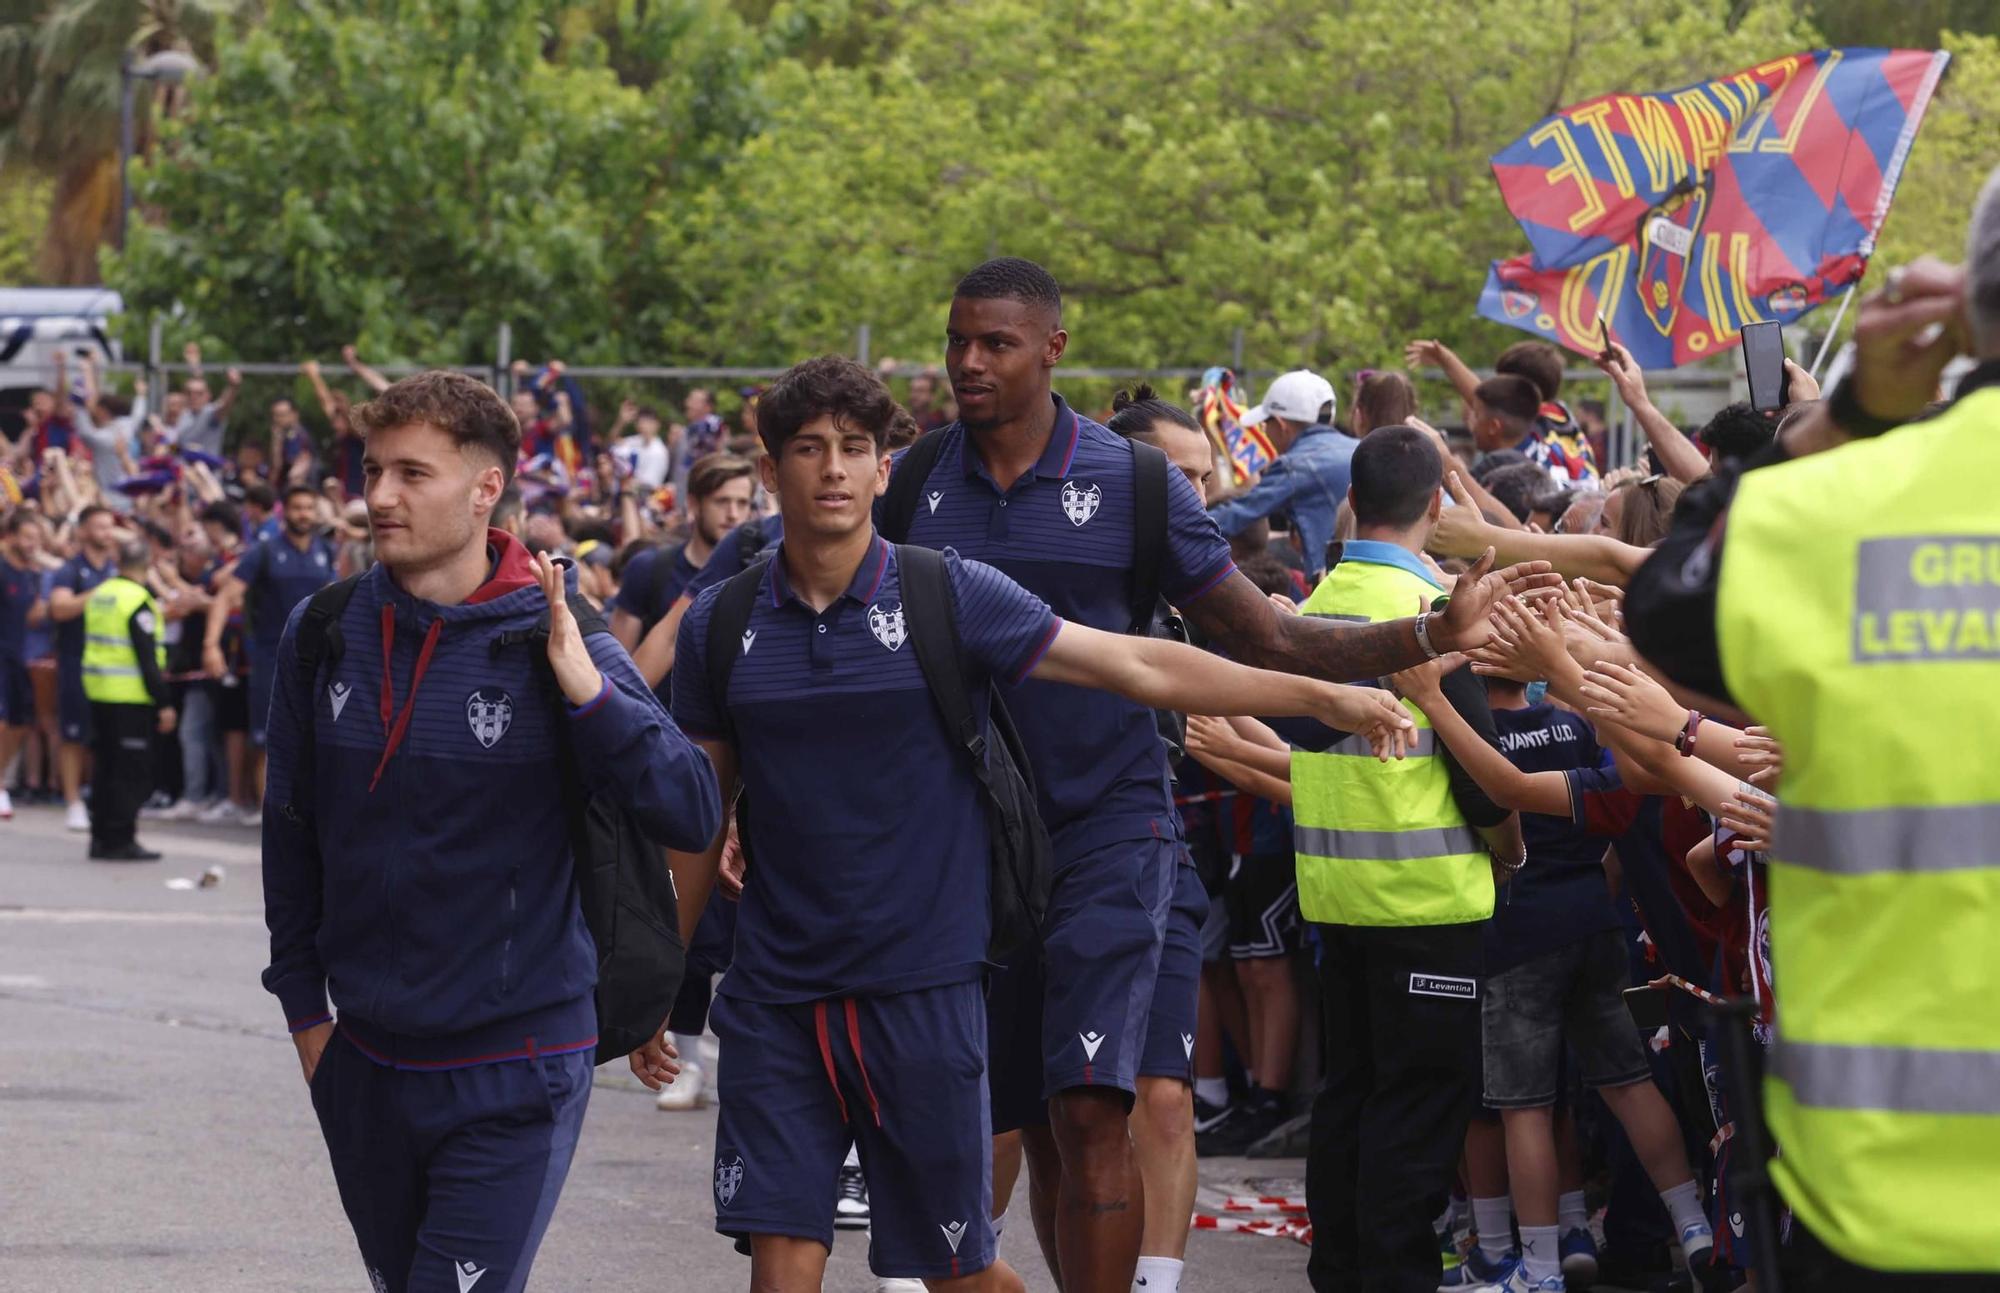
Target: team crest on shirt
(489,715)
(1080,502)
(728,1179)
(886,623)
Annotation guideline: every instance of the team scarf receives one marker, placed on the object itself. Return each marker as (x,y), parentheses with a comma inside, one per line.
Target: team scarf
(1248,449)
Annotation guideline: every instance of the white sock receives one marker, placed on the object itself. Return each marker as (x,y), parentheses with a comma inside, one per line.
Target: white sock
(688,1047)
(999,1225)
(1211,1090)
(1493,1221)
(1684,1205)
(1157,1275)
(1571,1214)
(1538,1252)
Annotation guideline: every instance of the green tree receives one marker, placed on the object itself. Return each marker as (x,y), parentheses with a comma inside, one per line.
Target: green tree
(24,205)
(1951,158)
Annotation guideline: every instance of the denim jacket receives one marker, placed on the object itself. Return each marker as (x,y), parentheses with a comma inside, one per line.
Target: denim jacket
(1307,484)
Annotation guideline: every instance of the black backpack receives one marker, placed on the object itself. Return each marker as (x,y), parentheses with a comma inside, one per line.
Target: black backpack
(1021,871)
(622,881)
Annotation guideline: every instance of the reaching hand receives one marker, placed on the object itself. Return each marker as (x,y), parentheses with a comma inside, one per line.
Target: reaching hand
(310,367)
(1623,695)
(1756,748)
(1424,683)
(657,1063)
(1209,735)
(576,673)
(349,355)
(191,353)
(628,412)
(1461,531)
(1371,713)
(1424,354)
(1905,334)
(234,377)
(1752,814)
(1533,641)
(1465,622)
(1624,372)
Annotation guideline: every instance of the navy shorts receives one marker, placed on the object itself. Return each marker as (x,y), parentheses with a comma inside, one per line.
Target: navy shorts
(72,706)
(1169,1049)
(902,1077)
(1106,928)
(17,693)
(449,1176)
(261,671)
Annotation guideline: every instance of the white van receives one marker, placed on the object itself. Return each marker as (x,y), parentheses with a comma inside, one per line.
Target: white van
(36,324)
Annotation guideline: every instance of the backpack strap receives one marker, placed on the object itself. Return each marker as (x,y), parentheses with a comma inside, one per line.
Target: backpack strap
(899,504)
(933,628)
(318,641)
(1149,531)
(727,621)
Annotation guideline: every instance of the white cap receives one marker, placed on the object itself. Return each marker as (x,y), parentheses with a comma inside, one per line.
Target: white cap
(1296,396)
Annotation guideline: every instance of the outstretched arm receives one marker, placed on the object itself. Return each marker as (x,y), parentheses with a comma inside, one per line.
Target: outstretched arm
(373,380)
(1677,454)
(1419,354)
(1461,533)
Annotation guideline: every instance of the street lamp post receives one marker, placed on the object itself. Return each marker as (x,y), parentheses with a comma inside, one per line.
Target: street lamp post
(169,65)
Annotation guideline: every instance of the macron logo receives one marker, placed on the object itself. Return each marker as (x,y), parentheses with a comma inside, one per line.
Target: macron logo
(1187,1044)
(1091,1041)
(935,497)
(749,636)
(337,695)
(952,1234)
(468,1275)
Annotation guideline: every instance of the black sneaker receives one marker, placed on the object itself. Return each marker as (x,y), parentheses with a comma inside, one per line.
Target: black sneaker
(1208,1116)
(1246,1124)
(122,853)
(850,1203)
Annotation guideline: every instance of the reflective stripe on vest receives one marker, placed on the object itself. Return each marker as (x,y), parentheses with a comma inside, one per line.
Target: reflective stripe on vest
(1857,616)
(111,673)
(1382,843)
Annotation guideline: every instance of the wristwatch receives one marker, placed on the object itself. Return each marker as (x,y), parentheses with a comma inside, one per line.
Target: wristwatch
(1844,407)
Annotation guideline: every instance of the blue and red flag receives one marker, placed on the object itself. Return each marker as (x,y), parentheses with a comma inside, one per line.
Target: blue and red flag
(1682,216)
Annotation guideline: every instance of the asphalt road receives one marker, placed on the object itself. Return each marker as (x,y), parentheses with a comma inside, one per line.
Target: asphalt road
(155,1133)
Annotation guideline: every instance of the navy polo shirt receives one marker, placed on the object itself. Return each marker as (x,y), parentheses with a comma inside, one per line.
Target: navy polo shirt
(20,588)
(867,827)
(1064,532)
(653,581)
(277,577)
(79,576)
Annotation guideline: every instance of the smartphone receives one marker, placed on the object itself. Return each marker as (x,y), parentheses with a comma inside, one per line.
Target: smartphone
(1603,338)
(1764,365)
(1648,1006)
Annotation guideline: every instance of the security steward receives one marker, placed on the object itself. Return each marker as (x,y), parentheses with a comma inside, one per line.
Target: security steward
(1395,867)
(1857,615)
(123,661)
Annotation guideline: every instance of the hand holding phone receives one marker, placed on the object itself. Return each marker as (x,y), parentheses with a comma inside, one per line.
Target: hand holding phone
(1764,366)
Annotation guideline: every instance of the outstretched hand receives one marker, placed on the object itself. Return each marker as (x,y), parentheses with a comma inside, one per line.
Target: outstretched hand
(1626,696)
(1374,715)
(576,673)
(1466,623)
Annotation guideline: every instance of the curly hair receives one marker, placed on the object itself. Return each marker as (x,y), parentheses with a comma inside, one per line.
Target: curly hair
(831,385)
(462,407)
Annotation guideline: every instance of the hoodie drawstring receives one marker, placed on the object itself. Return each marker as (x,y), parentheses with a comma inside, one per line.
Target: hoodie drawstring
(826,1056)
(395,725)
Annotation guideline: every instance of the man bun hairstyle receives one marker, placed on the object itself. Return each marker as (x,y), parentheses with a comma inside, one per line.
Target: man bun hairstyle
(1395,475)
(464,408)
(832,385)
(1134,412)
(1538,361)
(712,471)
(1009,278)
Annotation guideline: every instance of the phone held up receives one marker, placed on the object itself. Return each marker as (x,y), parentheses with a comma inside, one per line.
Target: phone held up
(1764,366)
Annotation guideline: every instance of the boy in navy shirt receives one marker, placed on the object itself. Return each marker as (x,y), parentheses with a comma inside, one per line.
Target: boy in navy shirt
(417,866)
(1047,497)
(96,560)
(852,1011)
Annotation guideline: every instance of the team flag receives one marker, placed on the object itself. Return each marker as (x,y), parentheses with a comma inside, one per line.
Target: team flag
(1681,216)
(1248,449)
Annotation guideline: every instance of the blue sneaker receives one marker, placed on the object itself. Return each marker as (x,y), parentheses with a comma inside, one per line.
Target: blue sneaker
(1517,1281)
(1697,1246)
(1477,1271)
(1579,1257)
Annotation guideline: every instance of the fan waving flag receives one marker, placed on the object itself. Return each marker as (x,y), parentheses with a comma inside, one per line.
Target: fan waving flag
(1681,216)
(1249,451)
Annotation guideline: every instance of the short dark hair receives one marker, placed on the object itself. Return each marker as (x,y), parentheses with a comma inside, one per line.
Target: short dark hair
(1383,398)
(1514,398)
(1494,460)
(1134,412)
(832,385)
(20,519)
(224,515)
(1737,431)
(116,405)
(260,495)
(1515,488)
(1009,278)
(457,404)
(1268,574)
(295,489)
(1395,473)
(92,510)
(1538,361)
(712,471)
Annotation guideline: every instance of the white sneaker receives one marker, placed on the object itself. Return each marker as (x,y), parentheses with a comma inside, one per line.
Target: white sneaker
(685,1093)
(180,810)
(6,807)
(76,818)
(887,1285)
(220,812)
(253,816)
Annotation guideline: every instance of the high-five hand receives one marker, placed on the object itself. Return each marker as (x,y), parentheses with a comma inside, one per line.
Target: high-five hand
(576,673)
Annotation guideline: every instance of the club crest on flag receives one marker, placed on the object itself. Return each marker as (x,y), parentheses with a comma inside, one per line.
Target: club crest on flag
(1080,504)
(886,623)
(489,716)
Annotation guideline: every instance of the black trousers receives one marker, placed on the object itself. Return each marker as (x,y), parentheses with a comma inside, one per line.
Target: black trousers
(1402,1043)
(121,774)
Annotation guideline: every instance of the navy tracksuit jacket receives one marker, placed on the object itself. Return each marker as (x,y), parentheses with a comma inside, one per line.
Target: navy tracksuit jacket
(417,873)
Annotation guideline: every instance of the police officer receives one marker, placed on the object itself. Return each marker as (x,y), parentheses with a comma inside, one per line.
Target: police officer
(1393,867)
(123,680)
(1856,603)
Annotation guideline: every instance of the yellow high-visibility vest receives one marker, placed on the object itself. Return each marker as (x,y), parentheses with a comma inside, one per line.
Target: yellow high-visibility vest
(1382,843)
(110,665)
(1858,615)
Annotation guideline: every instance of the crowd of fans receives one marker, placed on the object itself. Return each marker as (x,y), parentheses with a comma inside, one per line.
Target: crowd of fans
(1629,878)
